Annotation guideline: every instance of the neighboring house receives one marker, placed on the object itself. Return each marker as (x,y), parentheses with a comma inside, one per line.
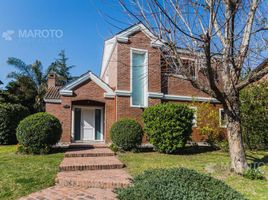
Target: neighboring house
(131,79)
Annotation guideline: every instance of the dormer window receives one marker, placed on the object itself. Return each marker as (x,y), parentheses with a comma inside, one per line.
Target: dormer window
(139,77)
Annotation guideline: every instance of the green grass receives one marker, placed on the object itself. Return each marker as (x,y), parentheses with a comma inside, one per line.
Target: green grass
(214,163)
(23,174)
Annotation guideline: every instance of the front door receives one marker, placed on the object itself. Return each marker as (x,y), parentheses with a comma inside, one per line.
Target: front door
(88,124)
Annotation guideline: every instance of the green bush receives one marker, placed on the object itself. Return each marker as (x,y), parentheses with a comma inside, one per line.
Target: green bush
(168,126)
(126,134)
(10,116)
(253,174)
(254,115)
(181,183)
(38,132)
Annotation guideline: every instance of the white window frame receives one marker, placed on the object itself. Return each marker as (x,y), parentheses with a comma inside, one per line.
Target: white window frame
(195,115)
(195,69)
(222,126)
(140,51)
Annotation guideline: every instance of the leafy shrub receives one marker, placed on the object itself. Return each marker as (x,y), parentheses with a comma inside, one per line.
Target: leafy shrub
(254,115)
(114,148)
(126,134)
(38,132)
(10,116)
(209,126)
(253,174)
(168,126)
(165,184)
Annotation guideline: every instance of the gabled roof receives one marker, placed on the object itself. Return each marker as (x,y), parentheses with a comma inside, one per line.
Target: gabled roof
(123,36)
(67,90)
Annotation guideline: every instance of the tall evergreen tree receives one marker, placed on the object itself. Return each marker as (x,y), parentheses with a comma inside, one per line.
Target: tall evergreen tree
(61,68)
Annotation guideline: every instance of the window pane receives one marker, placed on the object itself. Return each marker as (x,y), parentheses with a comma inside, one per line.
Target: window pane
(77,123)
(138,79)
(223,118)
(97,124)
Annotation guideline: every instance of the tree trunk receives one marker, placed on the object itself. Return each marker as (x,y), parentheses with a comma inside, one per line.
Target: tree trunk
(236,147)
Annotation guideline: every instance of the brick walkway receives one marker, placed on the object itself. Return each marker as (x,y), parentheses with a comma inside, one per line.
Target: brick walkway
(88,173)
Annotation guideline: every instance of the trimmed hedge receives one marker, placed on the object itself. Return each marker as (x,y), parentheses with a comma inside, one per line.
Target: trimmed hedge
(177,183)
(10,116)
(38,132)
(168,126)
(126,134)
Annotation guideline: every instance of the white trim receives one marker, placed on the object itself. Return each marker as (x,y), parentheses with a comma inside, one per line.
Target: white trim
(124,93)
(122,39)
(109,51)
(155,95)
(100,83)
(146,74)
(52,101)
(190,98)
(109,95)
(222,126)
(195,116)
(67,90)
(102,121)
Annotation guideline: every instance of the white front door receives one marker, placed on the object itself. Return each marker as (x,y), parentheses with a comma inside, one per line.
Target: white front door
(88,124)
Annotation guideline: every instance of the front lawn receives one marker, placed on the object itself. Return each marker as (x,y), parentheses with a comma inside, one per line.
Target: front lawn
(214,163)
(23,174)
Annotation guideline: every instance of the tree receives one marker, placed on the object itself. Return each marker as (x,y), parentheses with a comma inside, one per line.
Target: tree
(225,36)
(29,83)
(61,68)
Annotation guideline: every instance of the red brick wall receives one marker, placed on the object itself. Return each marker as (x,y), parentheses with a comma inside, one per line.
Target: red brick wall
(86,91)
(181,87)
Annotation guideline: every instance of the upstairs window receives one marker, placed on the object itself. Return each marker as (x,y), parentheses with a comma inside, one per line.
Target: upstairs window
(187,68)
(139,78)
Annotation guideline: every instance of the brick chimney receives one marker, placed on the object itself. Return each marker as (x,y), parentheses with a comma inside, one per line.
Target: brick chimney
(51,79)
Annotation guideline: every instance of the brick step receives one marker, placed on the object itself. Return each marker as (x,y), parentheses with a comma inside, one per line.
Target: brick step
(105,179)
(81,146)
(90,163)
(96,152)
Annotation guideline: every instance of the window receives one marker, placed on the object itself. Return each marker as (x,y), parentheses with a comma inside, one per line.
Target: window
(139,78)
(187,69)
(223,119)
(195,116)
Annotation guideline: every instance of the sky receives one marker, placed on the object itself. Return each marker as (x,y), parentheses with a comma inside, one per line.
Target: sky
(39,29)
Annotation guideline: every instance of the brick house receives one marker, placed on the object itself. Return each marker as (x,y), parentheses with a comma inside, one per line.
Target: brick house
(131,79)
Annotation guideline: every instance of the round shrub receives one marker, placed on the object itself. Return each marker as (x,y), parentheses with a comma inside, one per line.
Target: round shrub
(180,183)
(168,126)
(10,116)
(126,134)
(38,132)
